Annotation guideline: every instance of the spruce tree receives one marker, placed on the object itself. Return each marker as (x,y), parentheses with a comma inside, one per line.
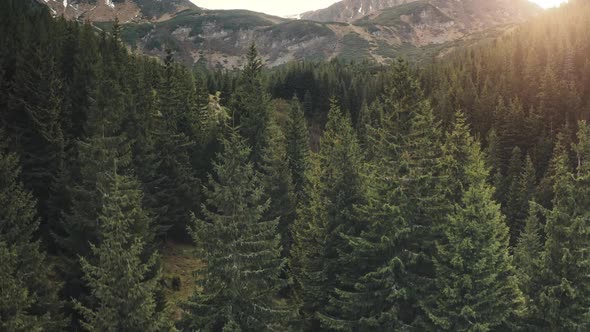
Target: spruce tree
(251,105)
(122,282)
(242,250)
(34,120)
(321,246)
(307,255)
(374,291)
(529,267)
(28,296)
(511,208)
(458,148)
(565,294)
(297,137)
(474,272)
(278,185)
(178,187)
(521,192)
(103,142)
(342,185)
(410,137)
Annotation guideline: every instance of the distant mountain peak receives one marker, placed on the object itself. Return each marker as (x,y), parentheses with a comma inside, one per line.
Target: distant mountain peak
(349,11)
(124,10)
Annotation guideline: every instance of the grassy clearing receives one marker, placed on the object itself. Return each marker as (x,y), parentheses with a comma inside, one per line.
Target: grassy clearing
(179,261)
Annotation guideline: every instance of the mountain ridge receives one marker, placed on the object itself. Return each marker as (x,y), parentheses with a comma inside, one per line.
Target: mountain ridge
(123,10)
(219,38)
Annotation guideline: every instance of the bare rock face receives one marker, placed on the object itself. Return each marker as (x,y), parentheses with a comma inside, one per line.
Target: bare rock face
(123,10)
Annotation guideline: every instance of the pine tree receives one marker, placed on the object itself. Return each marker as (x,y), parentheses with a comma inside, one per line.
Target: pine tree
(410,137)
(521,192)
(529,266)
(251,105)
(34,119)
(28,296)
(278,184)
(123,286)
(297,137)
(372,297)
(307,254)
(178,188)
(103,142)
(474,272)
(341,188)
(458,148)
(241,248)
(511,207)
(564,298)
(308,108)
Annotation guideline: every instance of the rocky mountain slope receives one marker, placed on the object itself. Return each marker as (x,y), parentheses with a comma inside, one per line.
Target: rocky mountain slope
(350,10)
(124,10)
(219,38)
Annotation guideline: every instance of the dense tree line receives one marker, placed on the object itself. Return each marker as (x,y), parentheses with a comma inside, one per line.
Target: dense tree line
(452,197)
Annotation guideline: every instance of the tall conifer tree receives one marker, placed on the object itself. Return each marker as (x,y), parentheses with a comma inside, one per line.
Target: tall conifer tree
(474,272)
(528,260)
(297,137)
(122,282)
(565,297)
(320,243)
(28,297)
(242,250)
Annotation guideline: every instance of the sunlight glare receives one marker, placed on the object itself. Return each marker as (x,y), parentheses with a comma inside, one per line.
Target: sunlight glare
(548,3)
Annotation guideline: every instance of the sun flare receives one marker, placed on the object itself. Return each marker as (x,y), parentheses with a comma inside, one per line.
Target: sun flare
(548,3)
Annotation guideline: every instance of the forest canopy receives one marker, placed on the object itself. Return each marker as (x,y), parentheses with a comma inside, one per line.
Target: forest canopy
(317,196)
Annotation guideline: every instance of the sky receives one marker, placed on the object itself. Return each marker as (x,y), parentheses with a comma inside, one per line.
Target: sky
(292,7)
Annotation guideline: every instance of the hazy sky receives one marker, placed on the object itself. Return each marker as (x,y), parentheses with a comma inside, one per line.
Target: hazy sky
(291,7)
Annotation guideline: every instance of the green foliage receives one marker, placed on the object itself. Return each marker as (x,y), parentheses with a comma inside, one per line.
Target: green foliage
(241,247)
(251,105)
(320,244)
(393,16)
(386,216)
(474,272)
(564,261)
(299,30)
(228,19)
(278,185)
(409,138)
(297,140)
(123,284)
(354,47)
(28,297)
(306,260)
(133,32)
(521,191)
(528,260)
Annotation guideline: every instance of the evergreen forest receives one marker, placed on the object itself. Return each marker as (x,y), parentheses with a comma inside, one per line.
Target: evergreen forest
(139,194)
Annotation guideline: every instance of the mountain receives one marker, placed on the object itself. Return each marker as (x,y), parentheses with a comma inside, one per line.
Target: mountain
(219,38)
(350,10)
(123,10)
(467,10)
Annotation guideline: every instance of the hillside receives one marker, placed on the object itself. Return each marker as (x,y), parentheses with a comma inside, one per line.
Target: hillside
(350,10)
(420,29)
(144,195)
(124,10)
